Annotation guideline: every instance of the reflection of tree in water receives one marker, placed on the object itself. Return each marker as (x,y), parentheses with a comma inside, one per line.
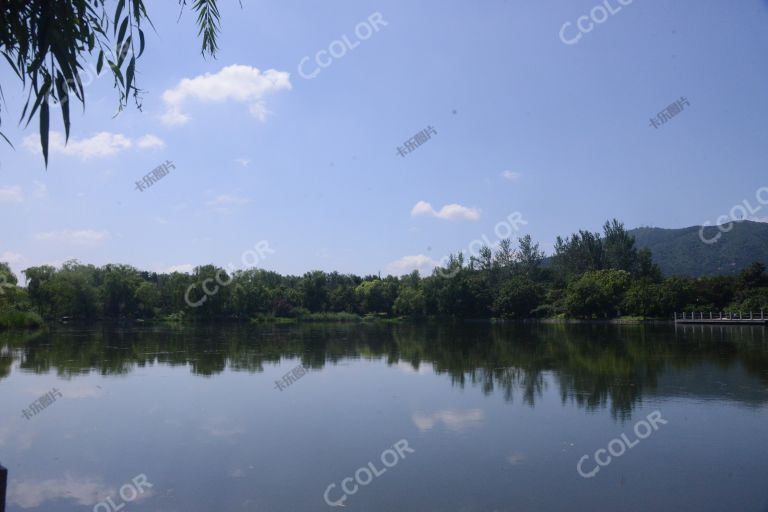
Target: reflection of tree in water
(595,366)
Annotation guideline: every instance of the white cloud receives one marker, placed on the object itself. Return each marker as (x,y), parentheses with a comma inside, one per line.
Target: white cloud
(424,368)
(259,111)
(224,202)
(407,264)
(511,175)
(10,257)
(150,141)
(70,235)
(220,426)
(11,194)
(184,268)
(448,212)
(242,161)
(453,419)
(243,84)
(100,145)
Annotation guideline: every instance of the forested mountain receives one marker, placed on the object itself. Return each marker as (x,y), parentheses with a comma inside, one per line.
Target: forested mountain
(711,252)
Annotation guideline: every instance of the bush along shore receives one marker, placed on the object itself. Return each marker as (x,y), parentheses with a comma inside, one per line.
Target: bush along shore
(590,276)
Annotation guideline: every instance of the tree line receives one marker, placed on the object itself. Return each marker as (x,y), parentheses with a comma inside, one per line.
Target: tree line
(589,276)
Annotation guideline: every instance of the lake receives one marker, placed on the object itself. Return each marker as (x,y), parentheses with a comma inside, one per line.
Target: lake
(457,417)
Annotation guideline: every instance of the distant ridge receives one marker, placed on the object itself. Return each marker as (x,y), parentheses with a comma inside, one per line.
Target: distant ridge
(681,252)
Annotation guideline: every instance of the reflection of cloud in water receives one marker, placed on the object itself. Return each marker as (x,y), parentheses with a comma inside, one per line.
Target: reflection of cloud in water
(424,368)
(33,493)
(68,391)
(516,458)
(21,439)
(222,427)
(453,419)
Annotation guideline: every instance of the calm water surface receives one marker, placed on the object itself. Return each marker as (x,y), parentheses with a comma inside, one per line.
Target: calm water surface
(496,418)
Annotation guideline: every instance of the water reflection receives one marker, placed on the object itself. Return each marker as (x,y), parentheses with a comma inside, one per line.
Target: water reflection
(594,366)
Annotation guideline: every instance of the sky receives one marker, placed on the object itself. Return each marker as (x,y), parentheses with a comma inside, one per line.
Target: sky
(525,115)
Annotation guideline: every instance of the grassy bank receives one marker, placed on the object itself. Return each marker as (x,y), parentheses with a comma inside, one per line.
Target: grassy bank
(341,317)
(20,320)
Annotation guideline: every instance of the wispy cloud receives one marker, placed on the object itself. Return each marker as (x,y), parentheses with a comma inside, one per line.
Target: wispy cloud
(224,203)
(511,175)
(242,161)
(12,194)
(100,145)
(448,212)
(73,235)
(150,141)
(407,264)
(243,84)
(220,426)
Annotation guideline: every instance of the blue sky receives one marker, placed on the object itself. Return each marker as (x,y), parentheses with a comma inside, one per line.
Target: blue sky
(311,165)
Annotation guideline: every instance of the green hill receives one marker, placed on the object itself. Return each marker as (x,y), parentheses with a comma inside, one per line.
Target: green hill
(682,252)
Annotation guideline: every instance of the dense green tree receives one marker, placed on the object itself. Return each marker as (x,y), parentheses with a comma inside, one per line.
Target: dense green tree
(507,283)
(528,257)
(147,298)
(314,291)
(517,298)
(598,293)
(410,302)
